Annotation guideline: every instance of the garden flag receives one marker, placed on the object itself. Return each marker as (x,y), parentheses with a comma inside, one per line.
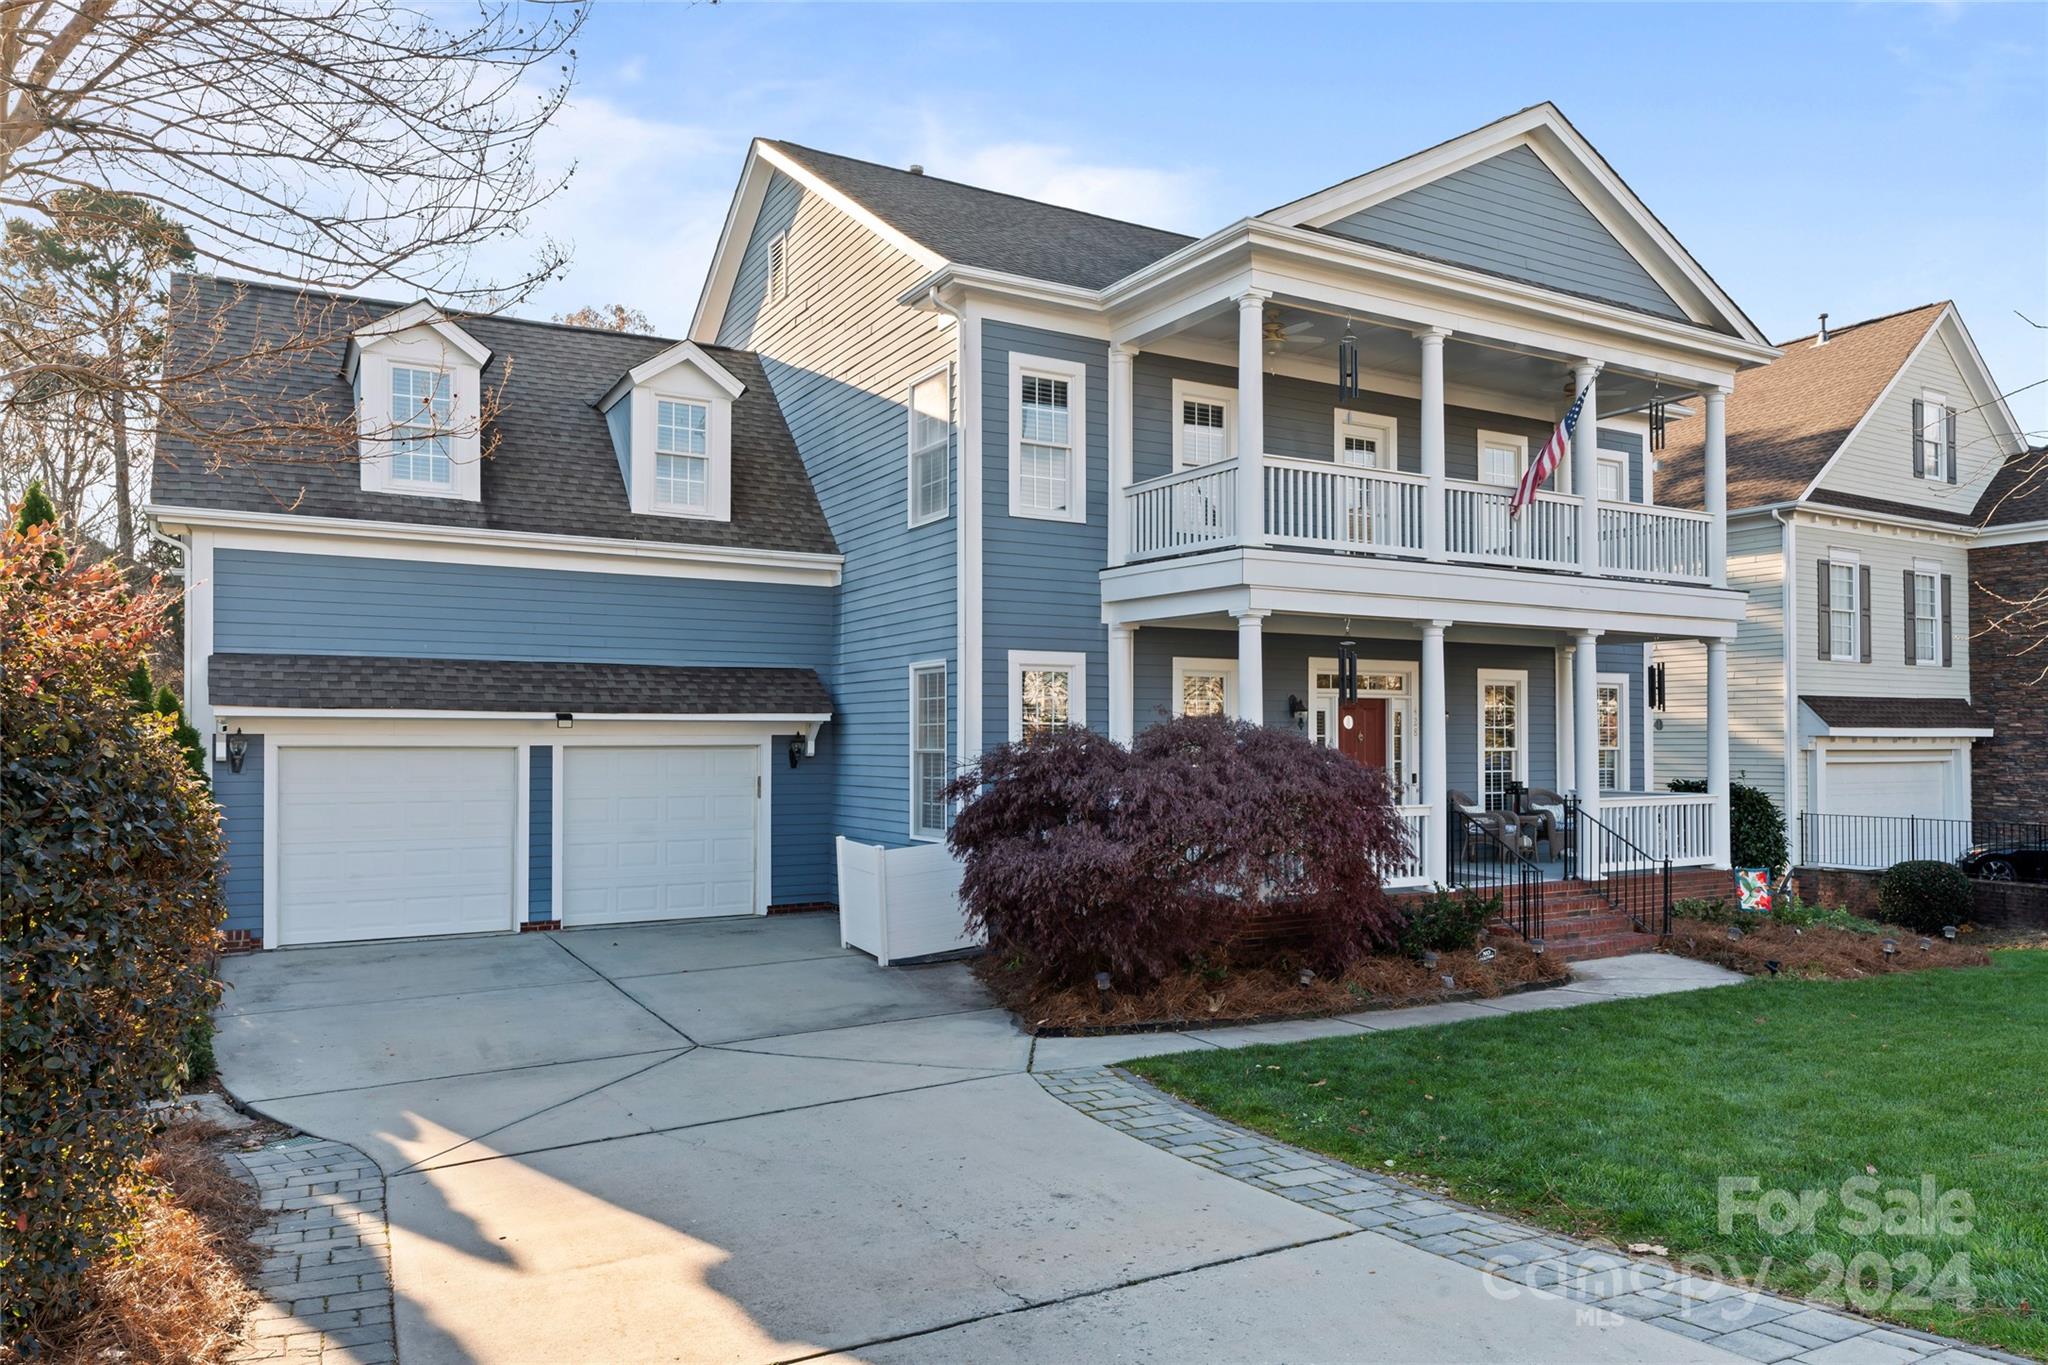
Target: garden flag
(1553,450)
(1753,889)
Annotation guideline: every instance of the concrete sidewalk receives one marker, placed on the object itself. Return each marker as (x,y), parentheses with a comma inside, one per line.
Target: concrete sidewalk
(735,1141)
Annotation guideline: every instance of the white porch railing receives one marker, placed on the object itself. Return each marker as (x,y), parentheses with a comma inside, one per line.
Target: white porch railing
(1411,871)
(1674,825)
(1638,540)
(1477,526)
(1341,507)
(1191,509)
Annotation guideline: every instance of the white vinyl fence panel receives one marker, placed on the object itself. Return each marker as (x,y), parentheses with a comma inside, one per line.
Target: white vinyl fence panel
(900,903)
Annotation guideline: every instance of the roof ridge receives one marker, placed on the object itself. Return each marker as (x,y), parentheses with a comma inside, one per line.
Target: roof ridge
(1834,332)
(979,189)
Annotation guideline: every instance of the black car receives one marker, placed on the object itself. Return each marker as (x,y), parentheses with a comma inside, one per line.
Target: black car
(2010,861)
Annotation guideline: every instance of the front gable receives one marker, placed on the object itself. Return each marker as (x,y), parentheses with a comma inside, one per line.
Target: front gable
(1510,215)
(1529,199)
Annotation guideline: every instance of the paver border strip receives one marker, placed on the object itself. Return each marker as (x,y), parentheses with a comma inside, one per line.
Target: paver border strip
(1762,1327)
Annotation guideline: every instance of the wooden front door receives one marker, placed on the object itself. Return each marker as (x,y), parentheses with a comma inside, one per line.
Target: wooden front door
(1362,730)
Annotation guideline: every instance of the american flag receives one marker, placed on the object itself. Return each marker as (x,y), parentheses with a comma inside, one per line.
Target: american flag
(1546,460)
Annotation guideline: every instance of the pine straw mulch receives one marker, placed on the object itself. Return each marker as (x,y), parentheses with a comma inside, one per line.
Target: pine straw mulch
(184,1291)
(1817,951)
(1263,991)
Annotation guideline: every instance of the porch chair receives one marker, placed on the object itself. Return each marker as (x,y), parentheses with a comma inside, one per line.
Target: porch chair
(1491,829)
(1555,831)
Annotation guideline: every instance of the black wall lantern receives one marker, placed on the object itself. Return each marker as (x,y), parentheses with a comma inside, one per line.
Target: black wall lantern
(231,749)
(796,751)
(1297,711)
(1347,367)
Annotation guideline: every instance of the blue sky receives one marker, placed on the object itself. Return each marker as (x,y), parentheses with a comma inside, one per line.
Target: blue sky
(1856,159)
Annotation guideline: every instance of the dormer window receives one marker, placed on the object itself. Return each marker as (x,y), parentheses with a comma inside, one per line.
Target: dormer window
(419,405)
(422,418)
(682,465)
(671,424)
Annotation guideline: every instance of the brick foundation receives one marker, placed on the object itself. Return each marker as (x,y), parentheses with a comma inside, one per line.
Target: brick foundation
(2005,686)
(2006,905)
(802,907)
(2012,905)
(539,926)
(1839,888)
(240,940)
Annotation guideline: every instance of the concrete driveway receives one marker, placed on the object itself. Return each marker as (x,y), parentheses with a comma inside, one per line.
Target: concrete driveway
(733,1140)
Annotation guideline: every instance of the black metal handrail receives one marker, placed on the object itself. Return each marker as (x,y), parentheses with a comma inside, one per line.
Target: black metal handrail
(1639,886)
(1501,871)
(1875,842)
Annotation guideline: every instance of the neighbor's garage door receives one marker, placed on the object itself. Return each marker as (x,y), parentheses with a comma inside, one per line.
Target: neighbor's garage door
(1889,786)
(388,843)
(652,834)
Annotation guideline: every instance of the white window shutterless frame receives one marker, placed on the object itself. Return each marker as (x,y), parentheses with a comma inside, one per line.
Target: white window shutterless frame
(1502,458)
(1611,718)
(422,412)
(931,441)
(682,455)
(1366,441)
(1048,693)
(1613,481)
(1204,687)
(928,773)
(1204,424)
(1048,438)
(1503,738)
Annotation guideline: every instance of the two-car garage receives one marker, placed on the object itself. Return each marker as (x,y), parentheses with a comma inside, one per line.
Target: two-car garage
(394,841)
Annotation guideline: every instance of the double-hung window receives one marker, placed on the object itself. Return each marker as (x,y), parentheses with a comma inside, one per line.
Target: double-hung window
(1047,694)
(1501,459)
(1611,723)
(1927,622)
(1048,424)
(1204,687)
(682,459)
(1842,611)
(1934,448)
(928,751)
(931,437)
(422,411)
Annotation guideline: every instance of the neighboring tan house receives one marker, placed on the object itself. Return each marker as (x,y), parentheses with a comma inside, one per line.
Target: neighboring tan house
(1857,462)
(938,468)
(2009,663)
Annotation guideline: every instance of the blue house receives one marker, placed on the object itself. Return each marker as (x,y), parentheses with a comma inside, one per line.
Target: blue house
(592,628)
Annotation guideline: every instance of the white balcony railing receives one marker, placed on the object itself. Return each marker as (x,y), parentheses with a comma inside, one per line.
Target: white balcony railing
(1477,526)
(1193,509)
(1674,825)
(1341,507)
(1638,540)
(1410,871)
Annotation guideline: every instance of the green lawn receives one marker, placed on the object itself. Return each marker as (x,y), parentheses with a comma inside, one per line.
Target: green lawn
(1621,1118)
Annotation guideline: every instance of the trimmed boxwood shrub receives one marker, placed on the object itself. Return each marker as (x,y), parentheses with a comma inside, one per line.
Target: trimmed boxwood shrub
(109,867)
(1083,856)
(1923,895)
(1756,827)
(1447,921)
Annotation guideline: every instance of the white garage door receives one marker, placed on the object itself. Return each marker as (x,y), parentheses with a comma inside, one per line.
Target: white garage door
(657,833)
(387,843)
(1872,786)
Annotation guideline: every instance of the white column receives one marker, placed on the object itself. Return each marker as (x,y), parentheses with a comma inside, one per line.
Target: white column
(1120,441)
(1251,664)
(1717,486)
(1567,753)
(1586,742)
(1717,745)
(1586,464)
(1123,645)
(1435,765)
(1251,419)
(1432,339)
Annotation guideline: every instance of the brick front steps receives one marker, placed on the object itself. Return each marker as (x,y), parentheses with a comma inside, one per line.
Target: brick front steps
(1581,925)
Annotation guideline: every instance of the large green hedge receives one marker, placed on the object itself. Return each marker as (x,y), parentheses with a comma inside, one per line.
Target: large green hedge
(110,874)
(1756,828)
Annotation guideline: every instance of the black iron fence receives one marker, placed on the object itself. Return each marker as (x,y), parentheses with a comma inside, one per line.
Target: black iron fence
(1484,862)
(1875,842)
(1636,884)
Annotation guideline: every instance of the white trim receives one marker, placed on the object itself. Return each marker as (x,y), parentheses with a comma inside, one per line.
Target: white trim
(522,834)
(422,314)
(1408,700)
(534,717)
(1073,662)
(1182,667)
(1933,572)
(911,519)
(198,593)
(556,769)
(1929,471)
(377,431)
(1792,776)
(1482,439)
(1621,774)
(288,533)
(972,667)
(1612,460)
(1075,375)
(2019,533)
(1188,390)
(1520,678)
(1352,422)
(659,364)
(917,835)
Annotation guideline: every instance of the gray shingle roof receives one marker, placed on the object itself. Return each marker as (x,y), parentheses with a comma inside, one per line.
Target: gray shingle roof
(2018,493)
(977,227)
(552,470)
(1941,714)
(346,682)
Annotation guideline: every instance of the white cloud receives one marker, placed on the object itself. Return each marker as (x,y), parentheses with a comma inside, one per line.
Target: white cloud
(1059,175)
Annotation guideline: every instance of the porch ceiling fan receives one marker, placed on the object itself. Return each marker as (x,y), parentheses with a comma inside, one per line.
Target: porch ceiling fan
(1280,335)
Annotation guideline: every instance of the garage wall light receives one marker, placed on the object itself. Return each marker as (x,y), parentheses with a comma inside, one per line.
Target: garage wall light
(563,720)
(231,749)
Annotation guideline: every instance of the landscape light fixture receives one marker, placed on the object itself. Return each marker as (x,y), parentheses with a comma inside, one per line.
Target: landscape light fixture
(1891,947)
(1429,958)
(1487,955)
(1948,931)
(1734,933)
(1306,976)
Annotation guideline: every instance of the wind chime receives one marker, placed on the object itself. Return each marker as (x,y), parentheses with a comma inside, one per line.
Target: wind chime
(1347,366)
(1656,417)
(1347,672)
